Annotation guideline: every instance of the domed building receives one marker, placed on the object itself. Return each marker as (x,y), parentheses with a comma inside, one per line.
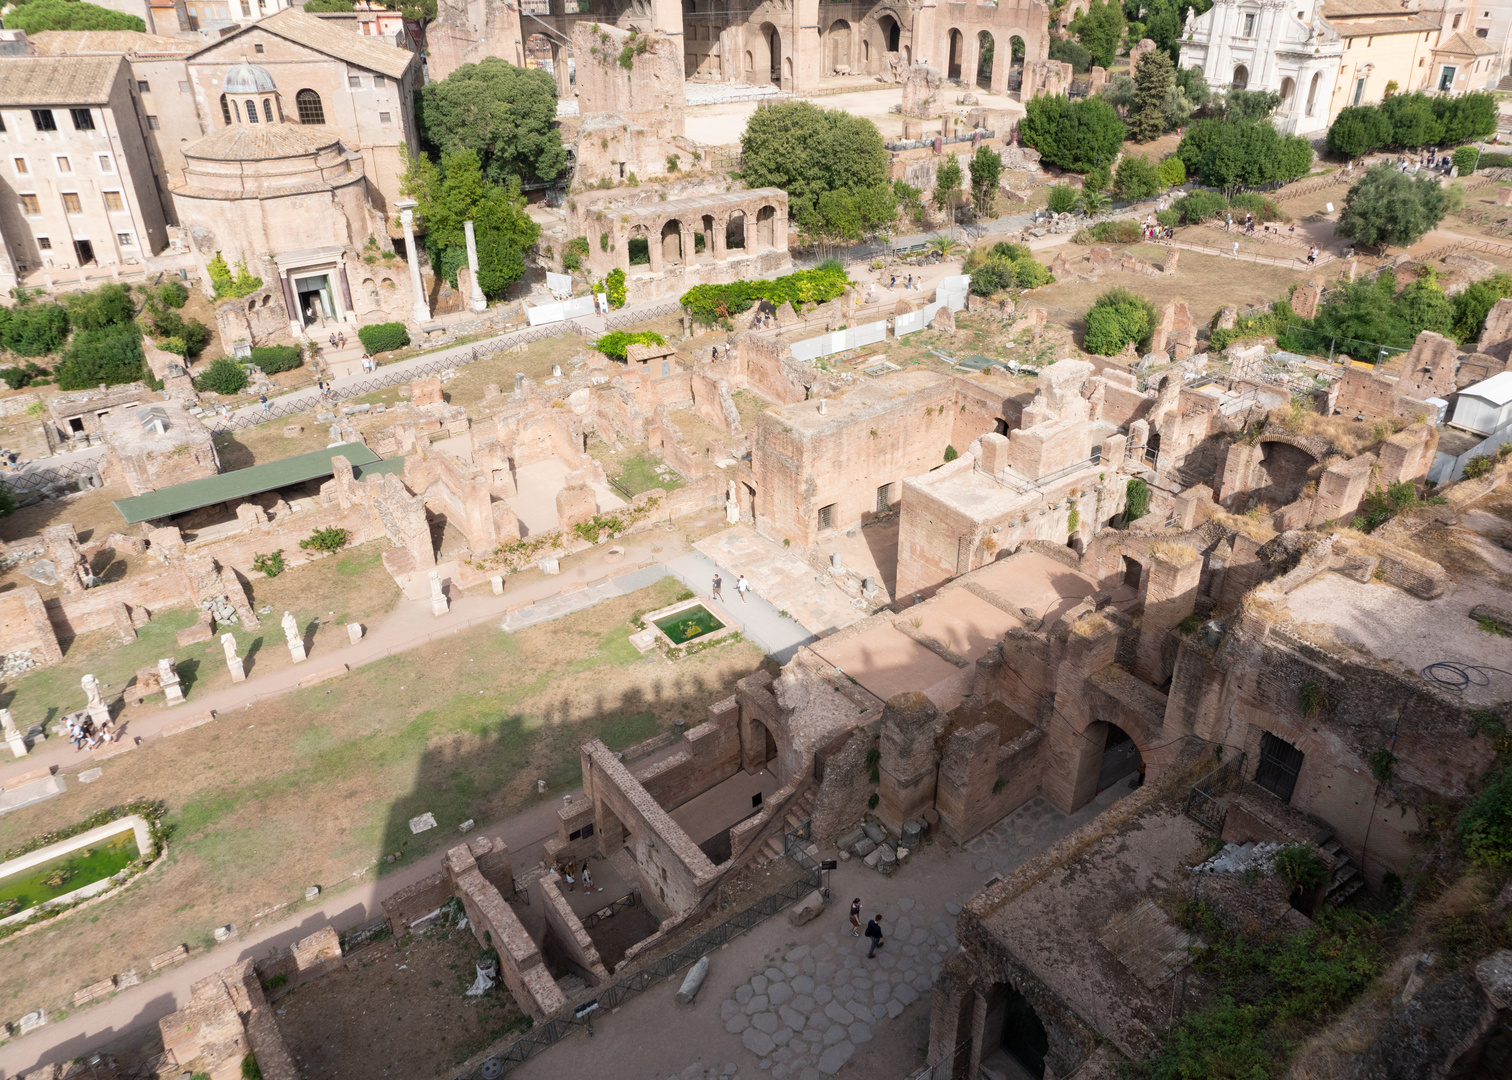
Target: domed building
(274,187)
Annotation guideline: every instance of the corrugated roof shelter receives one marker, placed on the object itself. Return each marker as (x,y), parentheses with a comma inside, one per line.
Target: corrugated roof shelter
(1485,407)
(243,483)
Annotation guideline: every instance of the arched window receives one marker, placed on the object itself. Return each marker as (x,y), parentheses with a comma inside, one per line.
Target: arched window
(236,110)
(310,109)
(225,110)
(1241,77)
(268,109)
(251,111)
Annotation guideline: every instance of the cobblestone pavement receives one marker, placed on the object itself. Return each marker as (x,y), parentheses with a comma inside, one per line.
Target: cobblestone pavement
(806,1017)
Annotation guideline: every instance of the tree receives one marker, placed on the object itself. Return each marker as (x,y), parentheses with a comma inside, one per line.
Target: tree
(1075,135)
(315,6)
(1070,52)
(1247,106)
(1118,317)
(947,191)
(1153,79)
(1473,305)
(1357,130)
(40,15)
(223,376)
(851,215)
(455,192)
(986,168)
(503,114)
(806,151)
(1100,28)
(1230,155)
(1119,91)
(1136,177)
(1391,208)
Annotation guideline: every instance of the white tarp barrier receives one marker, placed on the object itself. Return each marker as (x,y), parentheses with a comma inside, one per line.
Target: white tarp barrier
(559,285)
(953,290)
(867,334)
(909,322)
(563,309)
(840,341)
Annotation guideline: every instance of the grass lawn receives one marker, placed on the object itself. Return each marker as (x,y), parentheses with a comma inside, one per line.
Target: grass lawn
(316,787)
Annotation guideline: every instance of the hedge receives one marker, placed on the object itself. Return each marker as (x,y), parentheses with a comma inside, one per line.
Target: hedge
(615,344)
(112,356)
(275,358)
(381,337)
(223,376)
(708,304)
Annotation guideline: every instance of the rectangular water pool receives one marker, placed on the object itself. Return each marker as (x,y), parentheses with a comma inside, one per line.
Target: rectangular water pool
(56,877)
(689,623)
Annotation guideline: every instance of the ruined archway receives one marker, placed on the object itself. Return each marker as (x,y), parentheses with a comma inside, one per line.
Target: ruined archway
(839,46)
(765,56)
(671,243)
(986,53)
(1282,473)
(1014,1040)
(766,228)
(1016,64)
(638,246)
(956,54)
(703,243)
(1120,755)
(735,230)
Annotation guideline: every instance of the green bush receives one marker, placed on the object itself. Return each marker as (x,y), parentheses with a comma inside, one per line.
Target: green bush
(176,345)
(1076,135)
(228,285)
(1168,217)
(269,565)
(1118,231)
(1062,199)
(109,305)
(1466,160)
(382,337)
(275,358)
(42,15)
(174,294)
(1251,202)
(575,253)
(1117,318)
(1485,826)
(993,276)
(1071,52)
(17,377)
(614,286)
(1299,864)
(326,541)
(1136,500)
(167,323)
(1199,206)
(1494,161)
(112,356)
(1031,274)
(223,376)
(1136,178)
(708,304)
(1171,171)
(1231,154)
(249,1067)
(1012,252)
(33,329)
(615,343)
(951,453)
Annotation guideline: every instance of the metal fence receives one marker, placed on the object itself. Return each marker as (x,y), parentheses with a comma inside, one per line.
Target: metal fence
(35,478)
(1202,803)
(612,322)
(949,1067)
(592,919)
(579,1014)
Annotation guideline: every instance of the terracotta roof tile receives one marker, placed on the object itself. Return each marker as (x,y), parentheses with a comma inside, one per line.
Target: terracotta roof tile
(57,80)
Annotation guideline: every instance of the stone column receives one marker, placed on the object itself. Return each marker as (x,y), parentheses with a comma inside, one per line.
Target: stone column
(346,293)
(654,245)
(732,506)
(233,662)
(291,305)
(168,677)
(907,768)
(439,605)
(421,311)
(295,639)
(721,234)
(13,737)
(99,712)
(476,301)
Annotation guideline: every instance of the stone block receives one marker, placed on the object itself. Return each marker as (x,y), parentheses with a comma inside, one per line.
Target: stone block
(169,958)
(807,909)
(293,431)
(864,847)
(354,632)
(851,839)
(427,390)
(497,584)
(202,630)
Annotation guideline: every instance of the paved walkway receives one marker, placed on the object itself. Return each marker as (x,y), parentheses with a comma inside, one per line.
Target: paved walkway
(760,621)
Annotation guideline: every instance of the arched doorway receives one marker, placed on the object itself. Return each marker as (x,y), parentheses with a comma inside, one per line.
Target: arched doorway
(956,53)
(1016,65)
(1288,91)
(1014,1041)
(735,230)
(1120,756)
(986,48)
(772,39)
(639,246)
(703,244)
(889,32)
(1133,573)
(1286,470)
(1312,92)
(1241,78)
(766,228)
(839,46)
(671,242)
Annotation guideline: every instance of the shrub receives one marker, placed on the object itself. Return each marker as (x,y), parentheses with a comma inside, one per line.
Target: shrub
(174,345)
(249,1068)
(1387,207)
(1485,826)
(109,305)
(33,329)
(1063,199)
(382,337)
(269,565)
(1071,52)
(1250,202)
(1137,500)
(228,285)
(326,541)
(1076,135)
(275,358)
(1136,178)
(17,377)
(951,453)
(614,344)
(1171,171)
(1117,318)
(1093,200)
(1199,206)
(1299,864)
(112,356)
(1466,160)
(166,323)
(614,285)
(710,303)
(223,376)
(174,294)
(574,254)
(1119,231)
(1168,217)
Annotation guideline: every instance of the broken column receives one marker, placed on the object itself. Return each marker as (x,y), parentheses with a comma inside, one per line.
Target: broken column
(233,662)
(168,676)
(907,768)
(354,632)
(296,640)
(476,299)
(99,712)
(732,506)
(13,737)
(438,595)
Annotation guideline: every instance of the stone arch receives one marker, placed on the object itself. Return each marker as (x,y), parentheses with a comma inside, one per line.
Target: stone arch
(1288,92)
(986,54)
(1013,1030)
(766,48)
(1312,92)
(672,242)
(955,52)
(838,45)
(1282,472)
(892,32)
(787,72)
(704,238)
(638,245)
(1018,53)
(766,228)
(1121,755)
(1241,78)
(735,230)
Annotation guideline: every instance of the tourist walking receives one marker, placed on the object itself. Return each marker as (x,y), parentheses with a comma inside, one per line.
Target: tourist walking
(1312,256)
(568,876)
(874,931)
(856,917)
(588,879)
(742,587)
(718,585)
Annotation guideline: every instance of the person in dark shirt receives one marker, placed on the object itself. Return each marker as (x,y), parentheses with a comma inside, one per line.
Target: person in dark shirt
(874,931)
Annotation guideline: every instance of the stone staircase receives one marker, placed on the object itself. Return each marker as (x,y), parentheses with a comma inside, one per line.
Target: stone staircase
(338,363)
(798,815)
(1347,879)
(1505,84)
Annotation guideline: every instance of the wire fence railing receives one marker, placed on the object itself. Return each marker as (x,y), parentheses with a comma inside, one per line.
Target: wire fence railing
(35,478)
(609,910)
(580,1011)
(1202,803)
(617,320)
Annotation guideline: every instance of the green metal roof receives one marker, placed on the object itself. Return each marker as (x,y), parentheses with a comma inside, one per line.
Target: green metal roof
(227,487)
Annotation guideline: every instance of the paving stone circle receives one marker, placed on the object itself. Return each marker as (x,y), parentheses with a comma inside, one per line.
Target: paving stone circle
(804,1019)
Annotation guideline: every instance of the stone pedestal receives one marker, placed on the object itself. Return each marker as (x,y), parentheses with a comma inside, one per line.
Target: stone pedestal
(168,676)
(497,583)
(13,736)
(295,639)
(354,632)
(439,605)
(99,712)
(476,300)
(233,662)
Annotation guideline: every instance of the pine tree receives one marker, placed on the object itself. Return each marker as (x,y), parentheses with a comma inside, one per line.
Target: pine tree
(1153,81)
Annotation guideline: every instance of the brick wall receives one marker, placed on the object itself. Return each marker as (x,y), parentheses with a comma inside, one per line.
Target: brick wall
(565,937)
